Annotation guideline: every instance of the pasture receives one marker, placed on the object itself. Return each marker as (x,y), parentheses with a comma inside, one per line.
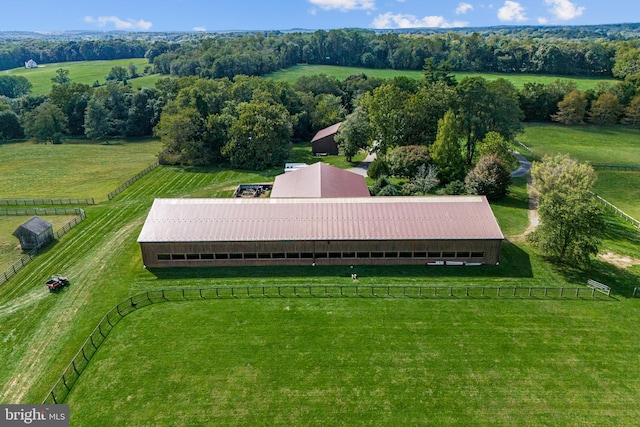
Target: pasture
(292,74)
(315,361)
(86,72)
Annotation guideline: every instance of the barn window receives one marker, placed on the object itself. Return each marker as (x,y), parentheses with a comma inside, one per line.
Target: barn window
(448,254)
(293,255)
(348,255)
(434,255)
(278,255)
(206,256)
(222,256)
(406,255)
(335,255)
(177,256)
(477,254)
(321,254)
(264,255)
(193,256)
(391,254)
(463,254)
(250,255)
(235,256)
(419,254)
(363,254)
(306,255)
(377,254)
(164,257)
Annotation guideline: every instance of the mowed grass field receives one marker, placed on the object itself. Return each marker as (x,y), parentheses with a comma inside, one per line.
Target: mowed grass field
(595,144)
(292,74)
(319,361)
(86,72)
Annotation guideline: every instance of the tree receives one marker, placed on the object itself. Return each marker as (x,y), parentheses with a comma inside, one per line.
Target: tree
(424,180)
(328,111)
(14,86)
(489,178)
(96,125)
(61,77)
(572,108)
(606,110)
(632,112)
(404,161)
(259,136)
(354,134)
(494,143)
(446,151)
(10,127)
(386,109)
(72,98)
(181,134)
(118,73)
(571,222)
(46,123)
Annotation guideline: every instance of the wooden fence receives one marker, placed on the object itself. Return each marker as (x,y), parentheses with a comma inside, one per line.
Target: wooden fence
(41,211)
(63,386)
(131,180)
(25,259)
(618,211)
(617,167)
(40,202)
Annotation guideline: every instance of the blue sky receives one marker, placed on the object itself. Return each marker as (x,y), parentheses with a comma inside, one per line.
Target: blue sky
(201,15)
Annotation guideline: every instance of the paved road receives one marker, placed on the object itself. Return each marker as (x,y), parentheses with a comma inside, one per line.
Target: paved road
(361,169)
(525,165)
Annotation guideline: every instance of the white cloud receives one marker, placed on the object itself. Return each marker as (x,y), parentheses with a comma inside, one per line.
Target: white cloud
(344,5)
(199,29)
(129,24)
(389,20)
(463,8)
(512,11)
(564,10)
(543,21)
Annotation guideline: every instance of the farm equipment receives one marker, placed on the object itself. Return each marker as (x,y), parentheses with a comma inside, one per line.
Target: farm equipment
(57,282)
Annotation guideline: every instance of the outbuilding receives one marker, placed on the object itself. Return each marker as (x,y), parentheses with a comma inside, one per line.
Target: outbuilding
(324,142)
(441,230)
(319,180)
(34,233)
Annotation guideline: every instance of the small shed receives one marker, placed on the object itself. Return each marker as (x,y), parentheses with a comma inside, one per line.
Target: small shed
(324,143)
(34,233)
(30,64)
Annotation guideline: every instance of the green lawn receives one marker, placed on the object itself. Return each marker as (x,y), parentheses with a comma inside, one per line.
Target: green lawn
(74,169)
(86,72)
(312,361)
(292,74)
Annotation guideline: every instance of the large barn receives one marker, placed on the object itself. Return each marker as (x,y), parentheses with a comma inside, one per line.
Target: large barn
(319,180)
(320,231)
(324,141)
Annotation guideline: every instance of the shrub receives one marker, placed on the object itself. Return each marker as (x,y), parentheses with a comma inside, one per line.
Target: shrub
(453,188)
(377,168)
(404,161)
(489,178)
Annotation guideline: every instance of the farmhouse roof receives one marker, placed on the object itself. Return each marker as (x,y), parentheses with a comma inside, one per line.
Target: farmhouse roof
(361,218)
(323,133)
(319,180)
(35,225)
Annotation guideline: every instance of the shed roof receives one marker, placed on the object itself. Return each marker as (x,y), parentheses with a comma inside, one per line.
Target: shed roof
(331,130)
(319,180)
(35,225)
(362,218)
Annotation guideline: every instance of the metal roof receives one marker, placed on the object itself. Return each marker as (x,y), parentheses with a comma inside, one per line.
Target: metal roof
(365,218)
(35,225)
(319,180)
(331,130)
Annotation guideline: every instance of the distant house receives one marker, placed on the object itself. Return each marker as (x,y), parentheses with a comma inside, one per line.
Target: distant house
(291,167)
(319,180)
(324,142)
(31,64)
(34,233)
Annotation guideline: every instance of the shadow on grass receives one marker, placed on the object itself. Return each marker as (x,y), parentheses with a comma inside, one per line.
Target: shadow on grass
(621,281)
(515,263)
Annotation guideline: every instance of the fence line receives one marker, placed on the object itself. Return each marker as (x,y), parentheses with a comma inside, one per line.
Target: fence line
(41,211)
(80,361)
(618,211)
(35,202)
(524,147)
(131,180)
(25,259)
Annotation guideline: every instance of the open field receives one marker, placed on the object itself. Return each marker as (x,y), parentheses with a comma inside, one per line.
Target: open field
(317,361)
(593,144)
(73,169)
(86,72)
(292,74)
